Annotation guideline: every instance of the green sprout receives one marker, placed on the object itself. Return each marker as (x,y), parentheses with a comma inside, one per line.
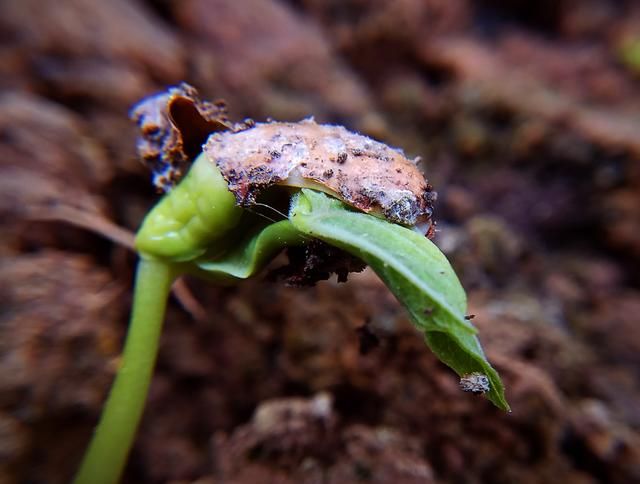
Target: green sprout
(629,54)
(206,226)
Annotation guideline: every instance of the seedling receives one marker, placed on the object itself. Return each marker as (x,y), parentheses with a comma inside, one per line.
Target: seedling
(324,186)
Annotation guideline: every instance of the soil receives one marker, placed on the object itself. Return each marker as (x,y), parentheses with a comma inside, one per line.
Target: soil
(525,115)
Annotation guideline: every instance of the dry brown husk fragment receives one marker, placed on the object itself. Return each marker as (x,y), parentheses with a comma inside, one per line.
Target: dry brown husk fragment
(173,126)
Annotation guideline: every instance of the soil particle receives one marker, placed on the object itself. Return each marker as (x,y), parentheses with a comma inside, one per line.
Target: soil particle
(294,435)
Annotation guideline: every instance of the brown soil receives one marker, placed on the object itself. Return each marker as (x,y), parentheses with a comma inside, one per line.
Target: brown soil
(526,117)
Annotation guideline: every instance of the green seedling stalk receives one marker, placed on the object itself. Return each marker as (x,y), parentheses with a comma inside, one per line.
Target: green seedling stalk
(107,454)
(198,229)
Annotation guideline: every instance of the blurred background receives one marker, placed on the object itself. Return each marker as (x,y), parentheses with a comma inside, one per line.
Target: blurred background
(527,117)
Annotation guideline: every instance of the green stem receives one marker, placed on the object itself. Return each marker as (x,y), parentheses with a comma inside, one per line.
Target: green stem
(106,457)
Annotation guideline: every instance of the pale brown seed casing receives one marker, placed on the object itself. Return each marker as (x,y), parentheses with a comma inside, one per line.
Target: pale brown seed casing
(363,173)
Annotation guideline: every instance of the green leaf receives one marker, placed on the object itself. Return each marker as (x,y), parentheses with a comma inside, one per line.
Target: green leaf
(250,254)
(198,214)
(414,269)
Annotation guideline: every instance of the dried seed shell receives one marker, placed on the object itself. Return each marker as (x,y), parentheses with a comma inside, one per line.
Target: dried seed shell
(363,173)
(173,125)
